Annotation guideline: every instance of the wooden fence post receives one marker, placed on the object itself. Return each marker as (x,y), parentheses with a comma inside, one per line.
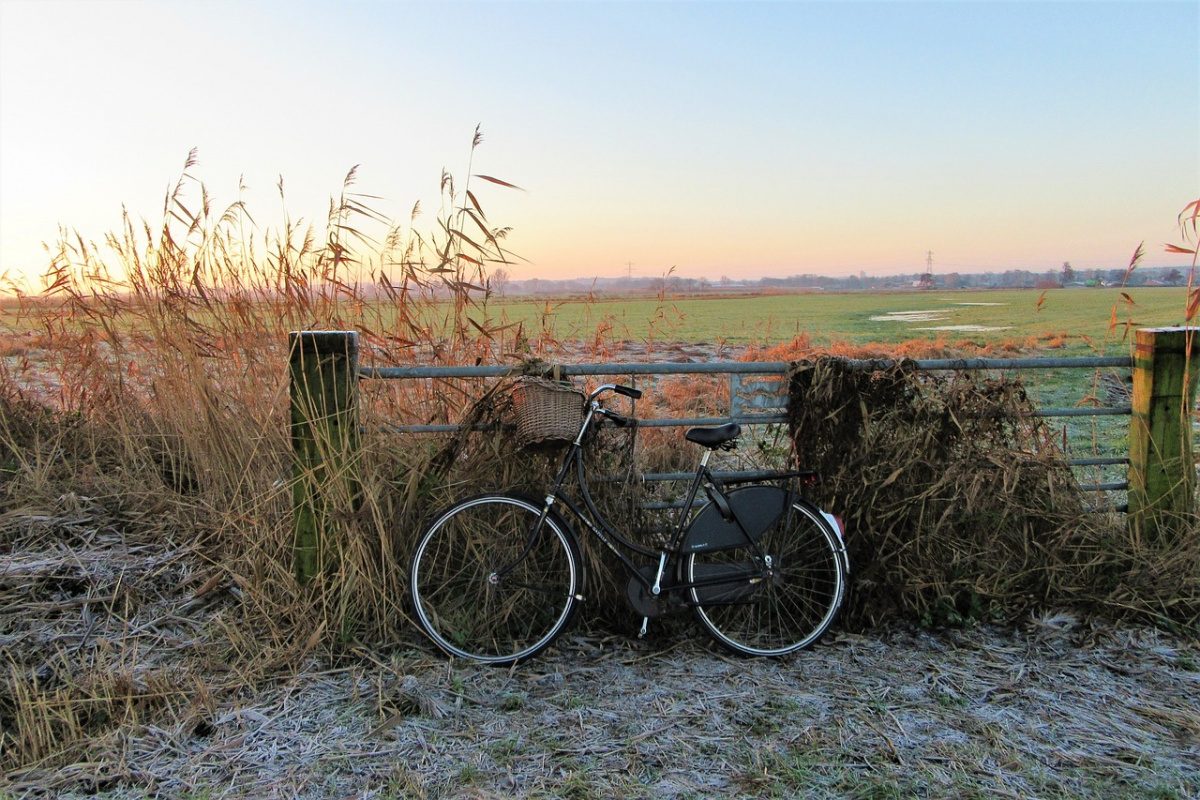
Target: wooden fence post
(324,429)
(1162,473)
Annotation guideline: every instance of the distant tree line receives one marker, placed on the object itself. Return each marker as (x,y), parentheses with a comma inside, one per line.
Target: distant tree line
(502,284)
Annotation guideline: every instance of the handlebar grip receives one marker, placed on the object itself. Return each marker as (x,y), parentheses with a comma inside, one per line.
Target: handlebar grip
(628,391)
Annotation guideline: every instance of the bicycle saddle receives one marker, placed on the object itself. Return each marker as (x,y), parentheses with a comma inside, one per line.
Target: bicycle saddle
(714,437)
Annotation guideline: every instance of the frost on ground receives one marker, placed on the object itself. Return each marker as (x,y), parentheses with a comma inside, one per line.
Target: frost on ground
(1053,712)
(1061,708)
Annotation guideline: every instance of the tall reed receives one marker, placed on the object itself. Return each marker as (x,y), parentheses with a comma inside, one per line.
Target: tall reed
(167,343)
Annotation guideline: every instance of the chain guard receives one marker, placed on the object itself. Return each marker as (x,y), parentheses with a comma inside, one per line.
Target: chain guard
(646,604)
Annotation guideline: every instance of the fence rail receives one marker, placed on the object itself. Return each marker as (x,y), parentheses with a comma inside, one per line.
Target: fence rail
(745,367)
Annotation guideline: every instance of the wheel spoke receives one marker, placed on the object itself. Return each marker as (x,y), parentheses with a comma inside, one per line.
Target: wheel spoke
(794,606)
(469,615)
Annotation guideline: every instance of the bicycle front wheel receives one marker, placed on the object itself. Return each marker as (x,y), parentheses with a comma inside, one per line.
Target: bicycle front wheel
(489,584)
(780,610)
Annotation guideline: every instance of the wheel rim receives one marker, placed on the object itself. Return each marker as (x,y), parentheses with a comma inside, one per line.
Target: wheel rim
(466,607)
(785,613)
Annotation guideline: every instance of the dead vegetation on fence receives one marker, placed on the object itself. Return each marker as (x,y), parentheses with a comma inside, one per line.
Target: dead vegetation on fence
(960,505)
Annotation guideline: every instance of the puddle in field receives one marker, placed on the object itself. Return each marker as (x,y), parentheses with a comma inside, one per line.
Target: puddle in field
(937,315)
(928,315)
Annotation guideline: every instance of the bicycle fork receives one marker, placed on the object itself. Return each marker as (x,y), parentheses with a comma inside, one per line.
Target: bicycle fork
(547,506)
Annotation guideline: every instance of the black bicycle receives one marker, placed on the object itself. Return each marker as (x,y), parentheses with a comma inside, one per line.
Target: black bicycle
(496,578)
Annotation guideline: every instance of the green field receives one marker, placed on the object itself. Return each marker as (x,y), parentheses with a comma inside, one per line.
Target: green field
(1081,317)
(853,317)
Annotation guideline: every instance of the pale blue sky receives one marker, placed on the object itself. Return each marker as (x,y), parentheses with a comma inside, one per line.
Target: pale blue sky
(735,138)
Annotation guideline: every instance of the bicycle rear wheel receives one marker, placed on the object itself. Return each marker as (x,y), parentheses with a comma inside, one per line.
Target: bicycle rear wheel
(785,612)
(483,589)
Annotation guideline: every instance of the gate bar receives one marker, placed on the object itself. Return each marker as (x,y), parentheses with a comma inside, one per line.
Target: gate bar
(744,367)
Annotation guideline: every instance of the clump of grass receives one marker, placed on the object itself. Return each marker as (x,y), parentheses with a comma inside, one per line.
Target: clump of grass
(63,710)
(960,506)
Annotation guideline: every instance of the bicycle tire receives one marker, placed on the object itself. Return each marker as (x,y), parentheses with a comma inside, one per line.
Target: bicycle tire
(786,613)
(504,620)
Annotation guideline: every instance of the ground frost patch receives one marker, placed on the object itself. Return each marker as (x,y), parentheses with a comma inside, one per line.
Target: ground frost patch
(1061,707)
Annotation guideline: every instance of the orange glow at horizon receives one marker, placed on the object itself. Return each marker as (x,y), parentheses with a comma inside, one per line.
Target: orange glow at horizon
(719,139)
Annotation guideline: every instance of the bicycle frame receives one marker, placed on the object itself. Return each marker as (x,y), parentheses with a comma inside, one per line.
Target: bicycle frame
(595,522)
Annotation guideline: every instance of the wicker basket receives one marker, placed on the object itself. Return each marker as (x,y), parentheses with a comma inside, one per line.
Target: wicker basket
(546,411)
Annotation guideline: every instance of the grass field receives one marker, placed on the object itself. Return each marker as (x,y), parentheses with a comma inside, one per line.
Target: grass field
(1079,320)
(1004,322)
(1075,315)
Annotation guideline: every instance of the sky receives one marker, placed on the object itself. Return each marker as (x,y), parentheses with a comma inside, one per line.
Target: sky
(740,139)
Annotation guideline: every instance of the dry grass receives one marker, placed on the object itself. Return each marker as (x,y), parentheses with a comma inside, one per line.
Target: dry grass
(164,345)
(147,379)
(96,617)
(802,347)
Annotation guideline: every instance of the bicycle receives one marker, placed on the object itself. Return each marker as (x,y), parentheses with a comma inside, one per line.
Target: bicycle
(496,578)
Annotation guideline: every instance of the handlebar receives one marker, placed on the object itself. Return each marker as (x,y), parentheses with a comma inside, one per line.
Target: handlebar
(619,420)
(627,391)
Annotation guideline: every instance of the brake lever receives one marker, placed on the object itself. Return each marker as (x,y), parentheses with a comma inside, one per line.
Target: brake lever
(617,419)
